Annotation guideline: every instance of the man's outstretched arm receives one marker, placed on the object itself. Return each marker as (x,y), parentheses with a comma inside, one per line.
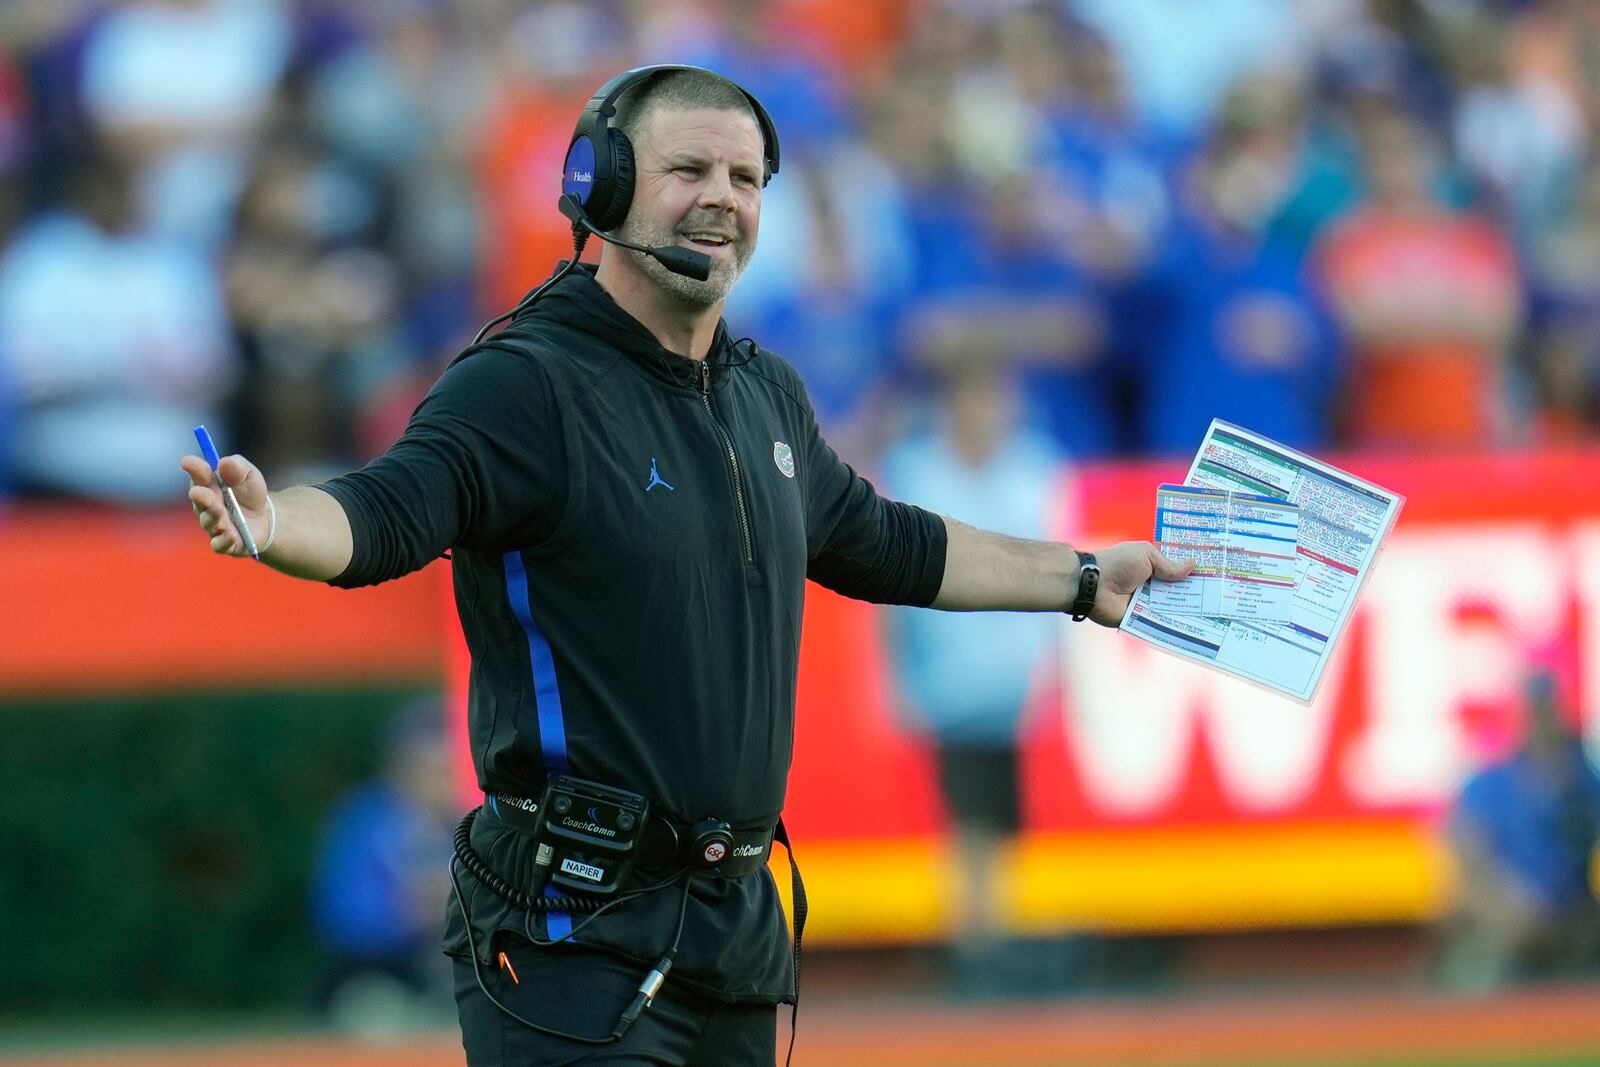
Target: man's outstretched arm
(312,538)
(986,571)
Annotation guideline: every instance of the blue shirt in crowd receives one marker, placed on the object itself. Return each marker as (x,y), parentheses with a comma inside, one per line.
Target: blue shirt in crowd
(1230,327)
(1539,826)
(380,859)
(966,675)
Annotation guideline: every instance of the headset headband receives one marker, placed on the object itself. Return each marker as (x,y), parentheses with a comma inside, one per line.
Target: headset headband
(603,105)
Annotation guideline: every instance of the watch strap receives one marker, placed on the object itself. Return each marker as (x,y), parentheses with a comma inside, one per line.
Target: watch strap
(1088,586)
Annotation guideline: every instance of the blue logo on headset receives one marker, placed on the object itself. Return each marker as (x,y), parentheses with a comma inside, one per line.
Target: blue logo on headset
(577,177)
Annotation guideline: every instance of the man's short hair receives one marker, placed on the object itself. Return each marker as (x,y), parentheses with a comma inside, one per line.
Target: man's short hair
(679,90)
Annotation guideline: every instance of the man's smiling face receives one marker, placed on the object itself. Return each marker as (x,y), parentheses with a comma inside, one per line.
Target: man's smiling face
(698,186)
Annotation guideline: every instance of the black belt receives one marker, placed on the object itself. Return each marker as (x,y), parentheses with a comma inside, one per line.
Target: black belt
(668,844)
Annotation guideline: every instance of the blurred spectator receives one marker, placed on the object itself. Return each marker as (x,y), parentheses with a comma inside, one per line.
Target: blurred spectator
(1564,352)
(996,288)
(548,62)
(1518,130)
(1181,57)
(1228,323)
(380,885)
(855,39)
(178,87)
(1402,54)
(1003,269)
(1524,834)
(354,261)
(843,273)
(13,147)
(402,110)
(1427,300)
(13,139)
(737,38)
(115,339)
(314,303)
(8,423)
(1116,164)
(965,678)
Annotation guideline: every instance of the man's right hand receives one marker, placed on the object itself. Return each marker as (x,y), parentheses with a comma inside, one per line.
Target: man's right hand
(249,488)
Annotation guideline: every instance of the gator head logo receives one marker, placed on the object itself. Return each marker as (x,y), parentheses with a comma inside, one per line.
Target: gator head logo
(783,456)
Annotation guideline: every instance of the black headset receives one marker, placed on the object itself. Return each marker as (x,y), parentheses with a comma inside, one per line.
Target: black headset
(599,167)
(597,182)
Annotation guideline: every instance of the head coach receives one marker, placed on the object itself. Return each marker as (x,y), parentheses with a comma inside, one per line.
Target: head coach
(634,502)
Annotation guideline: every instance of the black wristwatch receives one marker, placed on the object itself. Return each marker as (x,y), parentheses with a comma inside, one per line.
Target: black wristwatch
(1088,586)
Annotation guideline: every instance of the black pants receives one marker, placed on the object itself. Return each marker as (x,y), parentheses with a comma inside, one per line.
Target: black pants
(582,991)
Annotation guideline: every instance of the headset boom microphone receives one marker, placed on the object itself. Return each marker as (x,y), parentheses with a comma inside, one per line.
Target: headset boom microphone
(690,264)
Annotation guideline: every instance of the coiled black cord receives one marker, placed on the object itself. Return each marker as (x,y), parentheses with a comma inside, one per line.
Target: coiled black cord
(503,889)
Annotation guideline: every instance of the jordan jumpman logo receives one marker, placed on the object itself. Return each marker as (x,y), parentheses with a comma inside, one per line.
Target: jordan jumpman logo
(655,478)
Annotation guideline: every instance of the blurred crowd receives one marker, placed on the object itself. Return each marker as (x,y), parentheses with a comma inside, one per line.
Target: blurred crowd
(1344,223)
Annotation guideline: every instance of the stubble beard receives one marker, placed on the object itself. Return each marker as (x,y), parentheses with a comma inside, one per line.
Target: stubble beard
(686,291)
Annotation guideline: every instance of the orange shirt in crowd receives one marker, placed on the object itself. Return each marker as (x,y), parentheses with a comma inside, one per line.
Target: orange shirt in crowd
(519,162)
(855,38)
(1427,302)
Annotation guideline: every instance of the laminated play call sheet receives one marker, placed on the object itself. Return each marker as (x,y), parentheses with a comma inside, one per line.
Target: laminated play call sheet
(1340,525)
(1244,551)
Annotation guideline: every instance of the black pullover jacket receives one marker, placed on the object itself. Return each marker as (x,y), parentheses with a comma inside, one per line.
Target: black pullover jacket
(631,534)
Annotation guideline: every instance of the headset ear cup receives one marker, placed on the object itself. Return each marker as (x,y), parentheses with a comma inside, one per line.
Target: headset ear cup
(609,215)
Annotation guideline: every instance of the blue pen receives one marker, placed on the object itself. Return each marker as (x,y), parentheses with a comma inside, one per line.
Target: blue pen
(209,451)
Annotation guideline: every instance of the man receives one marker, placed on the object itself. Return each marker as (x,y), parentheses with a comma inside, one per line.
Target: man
(1429,300)
(379,880)
(633,505)
(1524,833)
(964,679)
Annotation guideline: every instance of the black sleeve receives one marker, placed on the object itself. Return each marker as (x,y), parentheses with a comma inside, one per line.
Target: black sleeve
(862,545)
(481,464)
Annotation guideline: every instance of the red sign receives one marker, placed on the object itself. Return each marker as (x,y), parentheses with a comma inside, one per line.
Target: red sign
(1162,794)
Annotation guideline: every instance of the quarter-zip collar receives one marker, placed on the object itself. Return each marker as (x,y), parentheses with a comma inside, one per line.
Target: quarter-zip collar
(579,302)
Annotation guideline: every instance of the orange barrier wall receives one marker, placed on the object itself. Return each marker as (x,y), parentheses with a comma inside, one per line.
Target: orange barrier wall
(102,601)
